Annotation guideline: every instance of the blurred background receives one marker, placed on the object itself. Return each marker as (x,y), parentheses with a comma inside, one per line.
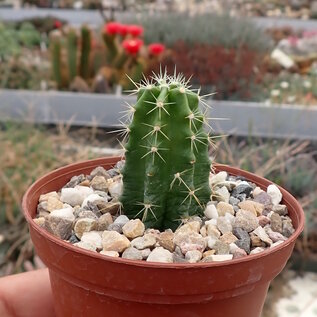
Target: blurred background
(63,84)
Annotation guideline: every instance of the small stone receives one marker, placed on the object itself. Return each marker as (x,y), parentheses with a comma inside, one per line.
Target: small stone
(73,239)
(115,227)
(208,253)
(217,258)
(189,227)
(245,220)
(276,236)
(39,221)
(46,196)
(114,241)
(256,191)
(113,254)
(212,231)
(256,241)
(189,242)
(244,241)
(234,201)
(280,209)
(260,232)
(179,258)
(145,253)
(53,203)
(203,231)
(218,178)
(75,180)
(99,171)
(86,183)
(42,209)
(133,228)
(263,220)
(288,228)
(165,240)
(276,222)
(160,255)
(193,256)
(84,225)
(242,188)
(211,241)
(99,183)
(91,199)
(111,207)
(85,245)
(239,253)
(275,244)
(224,208)
(141,243)
(211,211)
(233,247)
(92,237)
(132,254)
(74,196)
(228,238)
(104,221)
(115,187)
(59,226)
(222,194)
(221,247)
(65,213)
(264,199)
(87,214)
(224,225)
(275,194)
(257,250)
(121,220)
(252,206)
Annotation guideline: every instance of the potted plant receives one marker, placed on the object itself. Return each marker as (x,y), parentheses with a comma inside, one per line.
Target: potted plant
(167,184)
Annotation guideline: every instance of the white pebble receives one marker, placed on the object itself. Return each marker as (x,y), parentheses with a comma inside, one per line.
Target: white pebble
(275,194)
(211,211)
(91,198)
(160,255)
(92,237)
(66,213)
(72,196)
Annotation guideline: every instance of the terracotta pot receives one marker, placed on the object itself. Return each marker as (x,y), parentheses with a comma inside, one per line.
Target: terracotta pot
(88,284)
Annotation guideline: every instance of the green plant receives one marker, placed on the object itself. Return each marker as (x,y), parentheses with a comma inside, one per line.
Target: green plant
(72,53)
(166,174)
(84,66)
(212,29)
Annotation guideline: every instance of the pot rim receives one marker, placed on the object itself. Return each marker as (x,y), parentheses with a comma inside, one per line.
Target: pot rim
(260,181)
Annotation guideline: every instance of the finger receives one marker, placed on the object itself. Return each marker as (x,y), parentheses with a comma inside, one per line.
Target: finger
(26,295)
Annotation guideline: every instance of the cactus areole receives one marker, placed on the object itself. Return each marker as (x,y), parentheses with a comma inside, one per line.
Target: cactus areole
(166,173)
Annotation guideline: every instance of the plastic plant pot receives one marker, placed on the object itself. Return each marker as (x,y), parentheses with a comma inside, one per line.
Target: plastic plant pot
(85,283)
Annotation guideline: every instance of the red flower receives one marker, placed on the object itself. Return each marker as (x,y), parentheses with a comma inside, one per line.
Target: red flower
(123,29)
(135,30)
(156,48)
(57,24)
(112,28)
(132,46)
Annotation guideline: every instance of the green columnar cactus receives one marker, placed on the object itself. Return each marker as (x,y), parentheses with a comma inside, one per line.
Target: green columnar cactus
(166,174)
(56,60)
(72,54)
(85,52)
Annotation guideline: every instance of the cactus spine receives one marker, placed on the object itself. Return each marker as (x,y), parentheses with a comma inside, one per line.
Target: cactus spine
(166,174)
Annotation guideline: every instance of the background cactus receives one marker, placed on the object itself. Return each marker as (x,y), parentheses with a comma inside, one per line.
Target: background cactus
(85,52)
(72,53)
(167,165)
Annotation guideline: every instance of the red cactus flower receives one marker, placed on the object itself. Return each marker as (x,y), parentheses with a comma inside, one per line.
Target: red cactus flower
(156,49)
(124,29)
(135,30)
(112,28)
(57,24)
(132,46)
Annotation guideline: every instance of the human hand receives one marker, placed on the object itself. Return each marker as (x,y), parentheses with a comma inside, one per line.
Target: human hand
(26,295)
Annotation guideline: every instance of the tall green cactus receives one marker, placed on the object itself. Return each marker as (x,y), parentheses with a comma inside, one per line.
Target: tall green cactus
(166,173)
(56,59)
(85,52)
(72,54)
